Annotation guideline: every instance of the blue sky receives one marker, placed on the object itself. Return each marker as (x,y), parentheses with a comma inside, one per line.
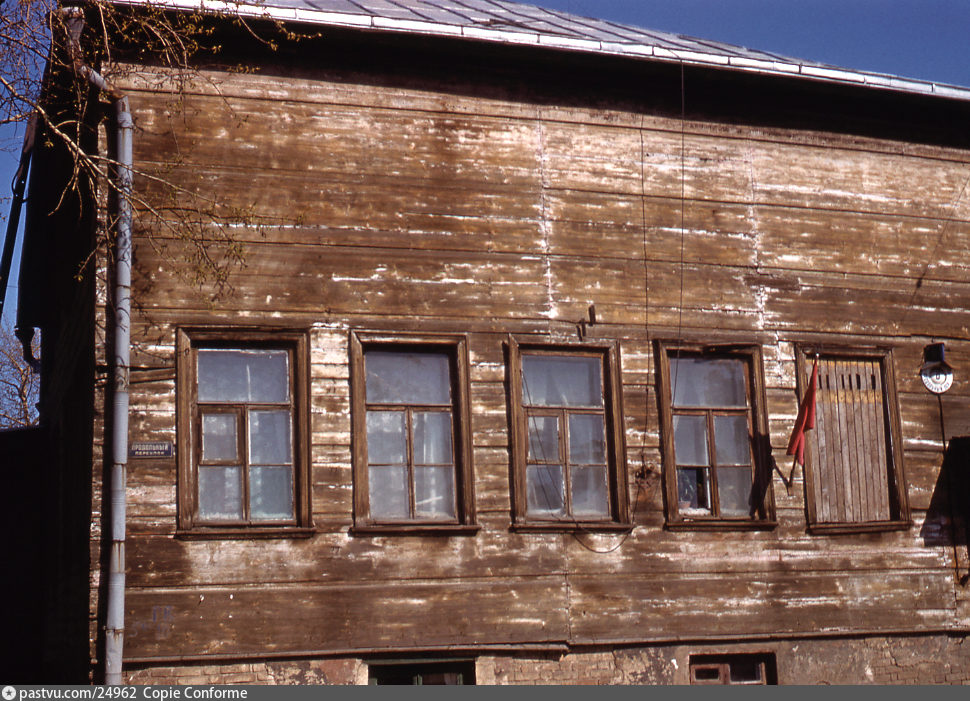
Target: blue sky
(924,39)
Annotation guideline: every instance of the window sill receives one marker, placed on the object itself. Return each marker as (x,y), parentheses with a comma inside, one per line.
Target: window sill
(851,528)
(437,529)
(722,525)
(244,533)
(571,527)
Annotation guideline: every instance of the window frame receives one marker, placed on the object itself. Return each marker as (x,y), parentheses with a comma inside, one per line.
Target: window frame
(750,354)
(189,340)
(456,346)
(609,355)
(898,492)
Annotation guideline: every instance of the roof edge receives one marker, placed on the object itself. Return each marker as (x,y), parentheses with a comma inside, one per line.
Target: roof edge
(376,23)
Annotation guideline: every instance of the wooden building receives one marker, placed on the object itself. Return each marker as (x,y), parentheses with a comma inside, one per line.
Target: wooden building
(502,389)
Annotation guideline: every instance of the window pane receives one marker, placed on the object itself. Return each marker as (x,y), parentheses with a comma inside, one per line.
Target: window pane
(434,492)
(243,376)
(219,437)
(543,438)
(561,381)
(269,438)
(220,493)
(587,441)
(590,491)
(388,491)
(271,492)
(407,378)
(708,382)
(690,440)
(734,490)
(432,438)
(544,489)
(745,670)
(693,489)
(731,443)
(385,438)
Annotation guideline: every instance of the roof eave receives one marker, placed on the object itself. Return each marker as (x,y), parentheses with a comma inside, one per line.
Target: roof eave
(806,71)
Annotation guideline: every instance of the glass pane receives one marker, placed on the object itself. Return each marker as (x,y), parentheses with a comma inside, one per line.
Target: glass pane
(745,670)
(553,380)
(693,490)
(270,493)
(734,490)
(243,376)
(544,490)
(386,443)
(690,440)
(432,438)
(220,493)
(590,491)
(434,492)
(219,437)
(269,438)
(407,378)
(543,438)
(587,441)
(388,492)
(708,382)
(731,443)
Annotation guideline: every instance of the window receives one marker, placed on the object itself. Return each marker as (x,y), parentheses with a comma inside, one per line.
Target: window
(744,668)
(412,447)
(567,435)
(715,447)
(243,455)
(853,459)
(422,672)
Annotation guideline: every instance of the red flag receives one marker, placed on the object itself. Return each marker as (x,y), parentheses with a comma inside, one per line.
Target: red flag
(805,420)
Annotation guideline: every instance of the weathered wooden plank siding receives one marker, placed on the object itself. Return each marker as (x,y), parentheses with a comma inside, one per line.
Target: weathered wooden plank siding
(407,208)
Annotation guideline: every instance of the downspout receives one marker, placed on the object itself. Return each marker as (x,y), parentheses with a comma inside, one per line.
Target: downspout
(115,624)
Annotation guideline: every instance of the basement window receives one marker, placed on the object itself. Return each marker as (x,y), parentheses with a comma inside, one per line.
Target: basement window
(423,673)
(738,669)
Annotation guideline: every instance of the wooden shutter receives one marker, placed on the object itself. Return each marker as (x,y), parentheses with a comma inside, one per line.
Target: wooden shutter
(849,450)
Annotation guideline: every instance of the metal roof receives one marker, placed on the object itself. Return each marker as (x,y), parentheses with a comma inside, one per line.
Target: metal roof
(504,22)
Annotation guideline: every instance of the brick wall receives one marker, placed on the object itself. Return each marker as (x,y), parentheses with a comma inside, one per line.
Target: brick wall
(936,659)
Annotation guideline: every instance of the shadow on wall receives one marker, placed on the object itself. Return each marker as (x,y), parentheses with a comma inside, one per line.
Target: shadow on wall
(951,498)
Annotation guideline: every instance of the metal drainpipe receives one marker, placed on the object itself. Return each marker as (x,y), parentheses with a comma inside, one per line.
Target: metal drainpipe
(115,628)
(115,624)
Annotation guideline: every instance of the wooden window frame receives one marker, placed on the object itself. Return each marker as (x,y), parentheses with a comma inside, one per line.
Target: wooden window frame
(188,342)
(750,353)
(898,497)
(456,346)
(721,663)
(609,355)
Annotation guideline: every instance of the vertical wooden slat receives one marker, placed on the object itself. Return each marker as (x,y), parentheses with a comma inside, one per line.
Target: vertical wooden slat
(883,466)
(868,401)
(860,466)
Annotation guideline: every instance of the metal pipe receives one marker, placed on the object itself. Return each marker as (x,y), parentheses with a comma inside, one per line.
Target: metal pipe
(13,221)
(115,623)
(115,628)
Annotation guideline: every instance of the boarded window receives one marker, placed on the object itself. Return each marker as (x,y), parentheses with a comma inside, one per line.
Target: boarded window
(853,470)
(714,432)
(410,423)
(567,437)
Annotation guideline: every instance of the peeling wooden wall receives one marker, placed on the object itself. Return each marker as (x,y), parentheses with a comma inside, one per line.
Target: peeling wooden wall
(418,207)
